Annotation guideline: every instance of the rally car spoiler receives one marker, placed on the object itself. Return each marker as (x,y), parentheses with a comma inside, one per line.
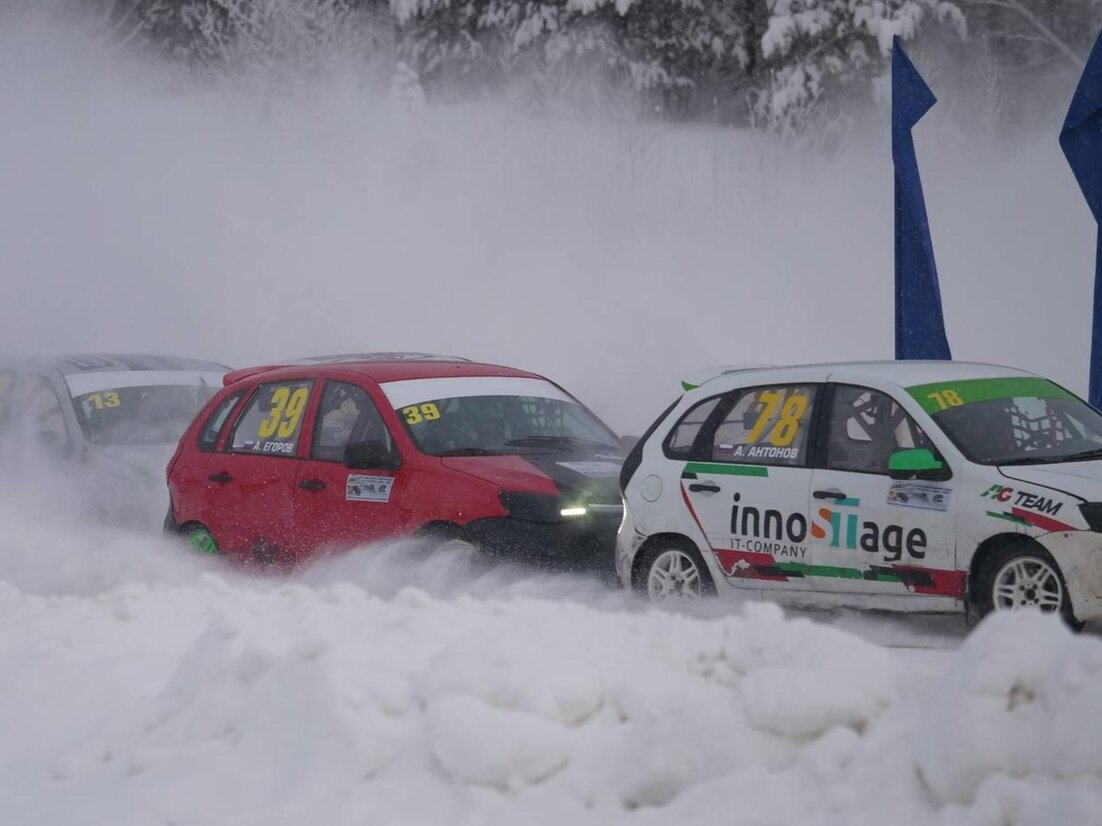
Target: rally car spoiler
(709,373)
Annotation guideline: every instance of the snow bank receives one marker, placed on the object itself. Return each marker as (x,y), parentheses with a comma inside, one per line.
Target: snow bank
(1022,703)
(205,697)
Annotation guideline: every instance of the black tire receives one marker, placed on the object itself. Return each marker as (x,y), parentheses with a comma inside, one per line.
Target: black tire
(1020,576)
(687,577)
(452,539)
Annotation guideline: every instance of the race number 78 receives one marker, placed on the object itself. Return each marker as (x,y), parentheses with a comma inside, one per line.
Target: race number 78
(788,423)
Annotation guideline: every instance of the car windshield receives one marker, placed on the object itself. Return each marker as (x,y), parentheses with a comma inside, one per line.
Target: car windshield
(485,425)
(141,415)
(1014,421)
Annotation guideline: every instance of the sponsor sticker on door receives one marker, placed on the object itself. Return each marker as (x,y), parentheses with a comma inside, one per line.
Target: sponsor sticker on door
(915,495)
(368,488)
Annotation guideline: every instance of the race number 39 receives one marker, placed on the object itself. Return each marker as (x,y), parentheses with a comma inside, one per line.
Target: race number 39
(415,414)
(286,413)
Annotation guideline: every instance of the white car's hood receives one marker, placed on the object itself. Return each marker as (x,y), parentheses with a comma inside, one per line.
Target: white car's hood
(1082,479)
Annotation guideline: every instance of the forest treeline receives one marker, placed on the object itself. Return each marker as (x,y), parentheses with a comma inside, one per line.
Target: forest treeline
(768,62)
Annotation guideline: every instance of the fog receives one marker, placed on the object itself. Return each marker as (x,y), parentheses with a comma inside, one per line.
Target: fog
(144,213)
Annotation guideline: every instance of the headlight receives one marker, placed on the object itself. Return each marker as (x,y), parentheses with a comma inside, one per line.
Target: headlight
(547,507)
(1092,512)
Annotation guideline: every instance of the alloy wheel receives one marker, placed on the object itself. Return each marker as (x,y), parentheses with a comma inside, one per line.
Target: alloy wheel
(1027,582)
(674,573)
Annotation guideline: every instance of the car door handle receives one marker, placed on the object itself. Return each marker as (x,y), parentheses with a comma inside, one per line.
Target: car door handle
(703,487)
(312,484)
(829,494)
(221,477)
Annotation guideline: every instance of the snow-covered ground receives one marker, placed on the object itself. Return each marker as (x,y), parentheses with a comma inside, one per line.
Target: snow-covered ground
(145,685)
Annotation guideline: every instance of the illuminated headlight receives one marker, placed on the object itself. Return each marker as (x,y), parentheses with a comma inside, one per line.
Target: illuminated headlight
(574,511)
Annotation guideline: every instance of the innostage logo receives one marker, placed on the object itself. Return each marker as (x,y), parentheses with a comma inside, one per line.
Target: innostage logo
(770,531)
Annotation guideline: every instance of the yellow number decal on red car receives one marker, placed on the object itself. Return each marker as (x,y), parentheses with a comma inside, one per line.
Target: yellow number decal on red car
(286,412)
(415,414)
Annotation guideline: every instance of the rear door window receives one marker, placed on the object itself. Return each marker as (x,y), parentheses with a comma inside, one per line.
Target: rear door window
(272,421)
(767,426)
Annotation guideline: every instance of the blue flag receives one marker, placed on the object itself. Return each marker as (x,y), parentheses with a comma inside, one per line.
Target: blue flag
(919,325)
(1081,140)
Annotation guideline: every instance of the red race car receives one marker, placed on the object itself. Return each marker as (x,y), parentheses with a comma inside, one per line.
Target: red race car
(288,461)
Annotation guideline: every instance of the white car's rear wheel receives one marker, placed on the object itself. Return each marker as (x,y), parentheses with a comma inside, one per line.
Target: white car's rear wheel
(677,573)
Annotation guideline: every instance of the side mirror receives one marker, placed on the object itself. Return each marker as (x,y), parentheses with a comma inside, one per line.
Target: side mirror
(917,463)
(374,455)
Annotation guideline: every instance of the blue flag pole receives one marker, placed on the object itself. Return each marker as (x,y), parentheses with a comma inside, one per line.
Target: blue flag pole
(1081,140)
(919,324)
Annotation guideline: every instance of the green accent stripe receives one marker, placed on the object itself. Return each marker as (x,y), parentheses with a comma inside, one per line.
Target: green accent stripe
(1009,517)
(829,572)
(726,470)
(848,503)
(687,386)
(982,390)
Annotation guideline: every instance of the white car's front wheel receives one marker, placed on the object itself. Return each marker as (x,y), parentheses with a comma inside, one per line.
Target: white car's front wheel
(677,573)
(1023,577)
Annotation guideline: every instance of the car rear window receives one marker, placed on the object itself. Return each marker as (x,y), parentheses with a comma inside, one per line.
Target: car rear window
(208,437)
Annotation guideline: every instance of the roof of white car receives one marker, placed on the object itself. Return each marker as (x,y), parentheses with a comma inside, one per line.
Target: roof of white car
(902,373)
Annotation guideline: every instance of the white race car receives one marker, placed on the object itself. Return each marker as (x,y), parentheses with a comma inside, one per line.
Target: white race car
(100,428)
(910,486)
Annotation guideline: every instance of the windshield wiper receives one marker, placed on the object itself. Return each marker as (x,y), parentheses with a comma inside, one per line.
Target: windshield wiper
(467,451)
(1085,456)
(555,440)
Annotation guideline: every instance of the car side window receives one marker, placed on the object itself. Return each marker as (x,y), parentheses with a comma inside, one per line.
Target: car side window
(866,428)
(208,437)
(272,422)
(44,412)
(767,426)
(679,444)
(346,416)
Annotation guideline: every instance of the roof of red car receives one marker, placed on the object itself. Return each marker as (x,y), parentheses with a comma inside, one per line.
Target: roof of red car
(383,367)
